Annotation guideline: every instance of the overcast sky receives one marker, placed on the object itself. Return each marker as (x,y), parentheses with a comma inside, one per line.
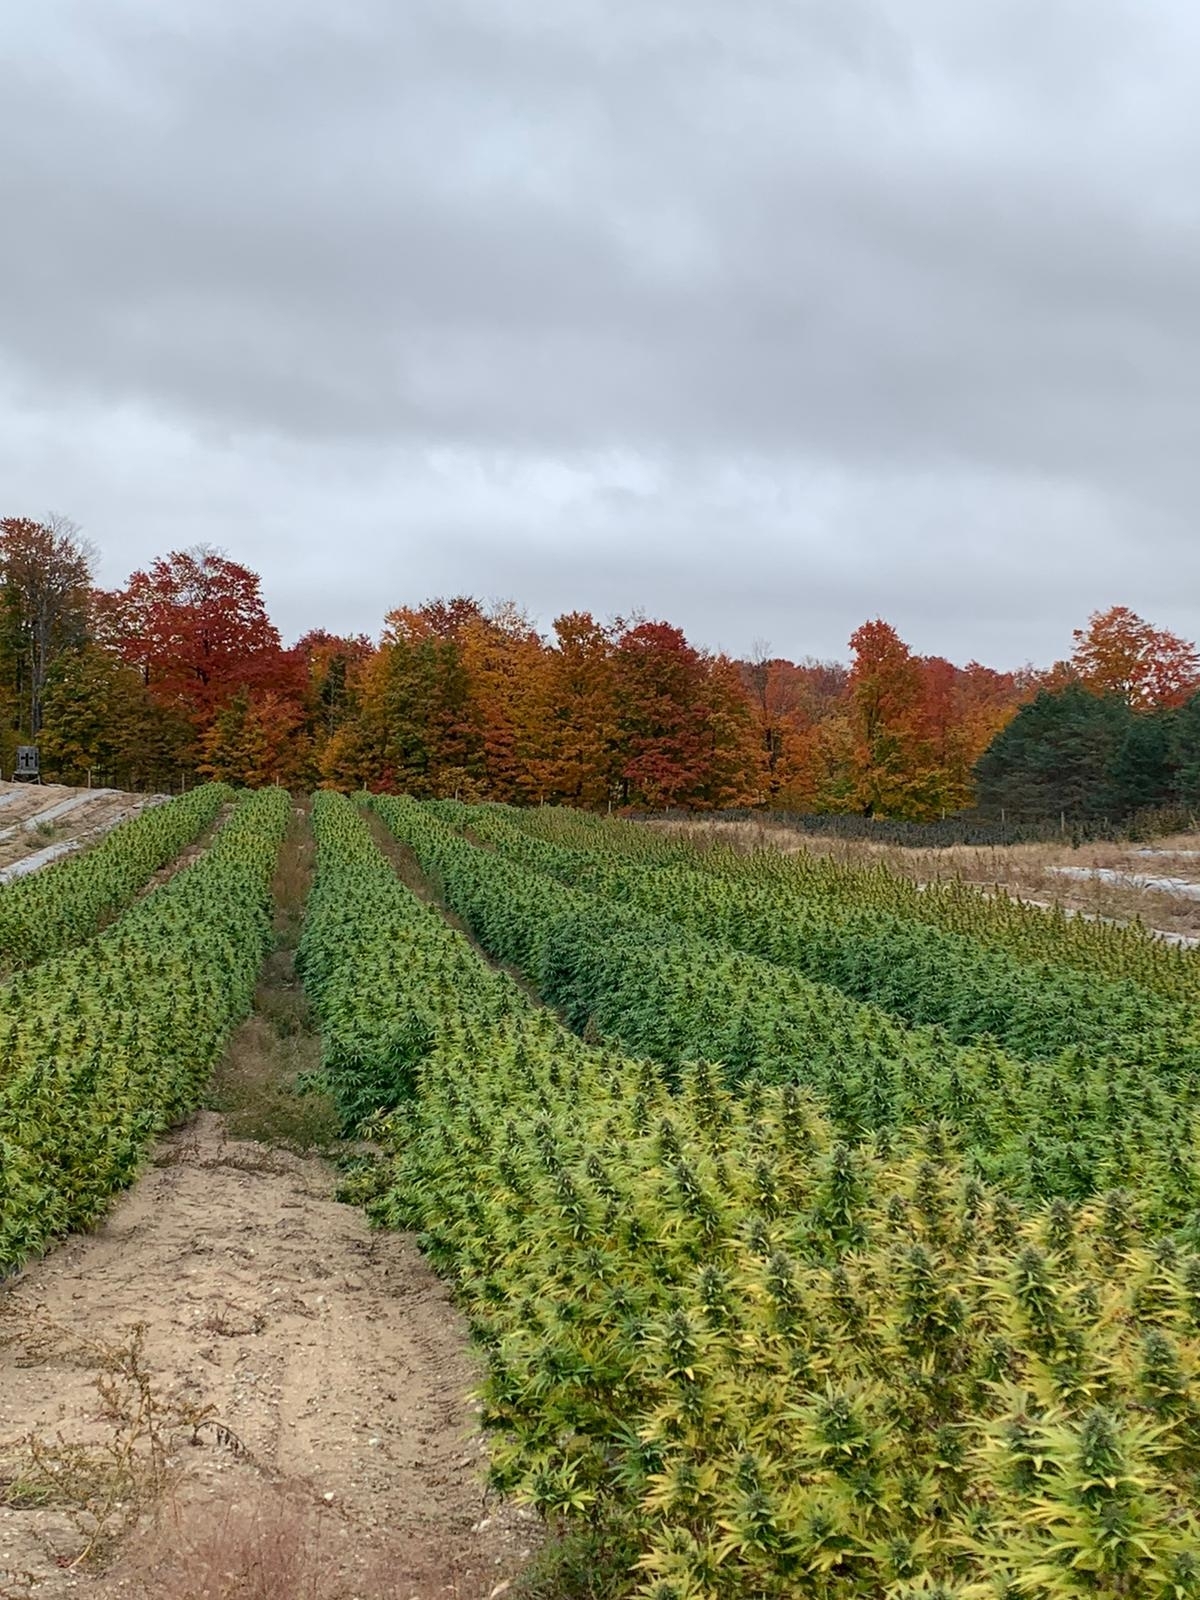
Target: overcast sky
(765,316)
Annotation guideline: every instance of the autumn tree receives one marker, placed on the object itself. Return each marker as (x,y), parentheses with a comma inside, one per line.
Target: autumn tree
(1119,653)
(964,708)
(196,627)
(791,702)
(331,665)
(574,729)
(333,668)
(255,741)
(101,724)
(736,769)
(45,590)
(501,653)
(684,727)
(417,727)
(894,764)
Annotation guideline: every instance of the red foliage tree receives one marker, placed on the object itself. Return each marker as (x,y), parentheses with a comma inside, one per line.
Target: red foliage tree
(684,726)
(196,627)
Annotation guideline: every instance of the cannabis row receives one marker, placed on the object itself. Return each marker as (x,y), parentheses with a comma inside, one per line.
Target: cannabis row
(1071,1127)
(108,1044)
(764,1363)
(921,974)
(1032,934)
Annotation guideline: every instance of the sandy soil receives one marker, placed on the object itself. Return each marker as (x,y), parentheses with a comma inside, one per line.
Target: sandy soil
(36,817)
(331,1352)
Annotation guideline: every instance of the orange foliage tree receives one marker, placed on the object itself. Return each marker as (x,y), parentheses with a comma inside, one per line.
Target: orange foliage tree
(796,706)
(255,741)
(893,762)
(502,655)
(1120,653)
(573,711)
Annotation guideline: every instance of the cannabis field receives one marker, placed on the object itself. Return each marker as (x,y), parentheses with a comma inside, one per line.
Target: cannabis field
(822,1235)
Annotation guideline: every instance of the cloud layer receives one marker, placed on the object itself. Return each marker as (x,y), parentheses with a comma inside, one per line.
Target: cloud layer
(766,317)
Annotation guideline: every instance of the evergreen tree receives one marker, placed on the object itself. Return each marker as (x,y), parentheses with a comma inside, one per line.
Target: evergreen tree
(1142,772)
(1185,752)
(1058,754)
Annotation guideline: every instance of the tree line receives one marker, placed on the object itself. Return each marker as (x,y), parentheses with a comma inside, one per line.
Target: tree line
(181,675)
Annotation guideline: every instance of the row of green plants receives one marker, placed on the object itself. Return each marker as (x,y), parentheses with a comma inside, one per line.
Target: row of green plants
(733,1357)
(370,1048)
(65,903)
(1032,934)
(1072,1126)
(919,973)
(108,1044)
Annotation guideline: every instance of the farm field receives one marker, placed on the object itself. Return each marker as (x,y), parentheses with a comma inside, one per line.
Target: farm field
(1157,884)
(817,1233)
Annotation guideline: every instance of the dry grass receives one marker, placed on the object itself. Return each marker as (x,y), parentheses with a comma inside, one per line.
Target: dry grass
(269,1545)
(108,1481)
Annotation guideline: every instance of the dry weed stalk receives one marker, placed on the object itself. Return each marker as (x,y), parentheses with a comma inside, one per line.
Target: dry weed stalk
(278,1547)
(105,1485)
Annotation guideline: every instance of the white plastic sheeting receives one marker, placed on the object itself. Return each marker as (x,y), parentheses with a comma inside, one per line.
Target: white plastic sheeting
(40,858)
(1184,887)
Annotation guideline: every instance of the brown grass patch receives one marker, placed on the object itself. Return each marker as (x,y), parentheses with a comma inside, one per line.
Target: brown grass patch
(108,1480)
(271,1544)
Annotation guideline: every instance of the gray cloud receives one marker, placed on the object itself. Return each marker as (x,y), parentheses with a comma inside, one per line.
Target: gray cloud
(763,317)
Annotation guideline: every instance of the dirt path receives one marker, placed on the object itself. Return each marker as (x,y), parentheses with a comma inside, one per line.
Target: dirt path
(320,1366)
